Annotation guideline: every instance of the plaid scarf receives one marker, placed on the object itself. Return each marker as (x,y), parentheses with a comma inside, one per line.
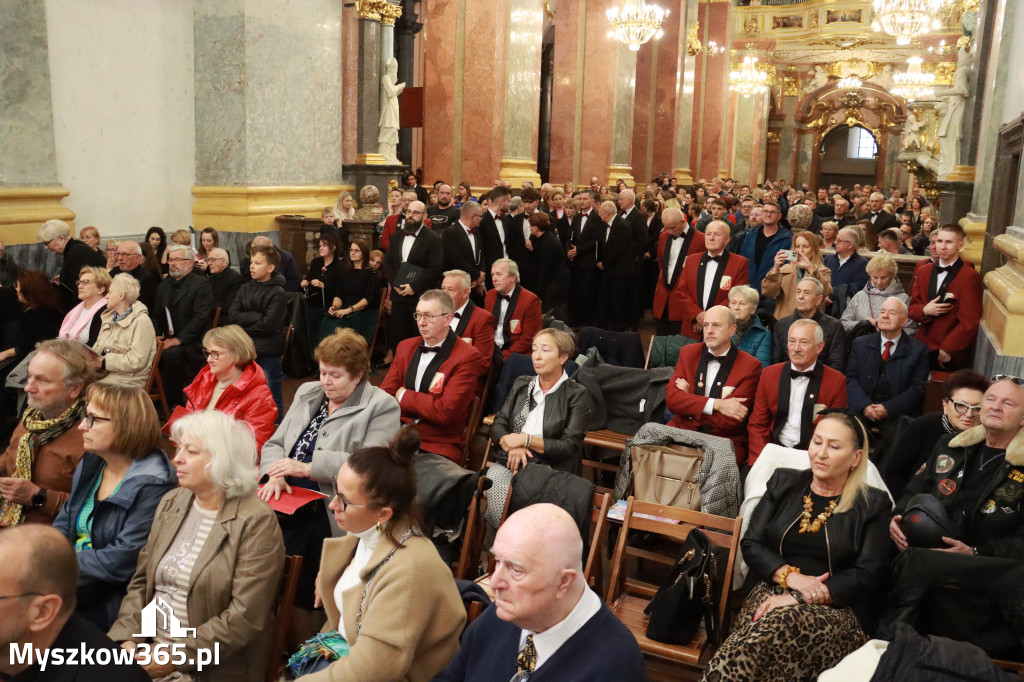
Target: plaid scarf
(40,431)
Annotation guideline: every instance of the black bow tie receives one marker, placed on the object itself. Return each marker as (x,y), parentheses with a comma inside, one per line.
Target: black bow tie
(458,316)
(711,357)
(942,268)
(429,349)
(794,374)
(410,231)
(505,297)
(717,259)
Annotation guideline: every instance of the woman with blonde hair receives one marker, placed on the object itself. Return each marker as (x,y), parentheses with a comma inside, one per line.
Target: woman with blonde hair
(865,305)
(118,484)
(83,322)
(780,282)
(126,342)
(345,208)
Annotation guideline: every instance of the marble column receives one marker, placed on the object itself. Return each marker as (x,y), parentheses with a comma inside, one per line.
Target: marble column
(258,153)
(30,193)
(522,91)
(369,83)
(389,13)
(406,28)
(685,68)
(748,132)
(622,121)
(711,91)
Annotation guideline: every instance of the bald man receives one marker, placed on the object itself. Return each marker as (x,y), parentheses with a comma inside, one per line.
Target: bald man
(638,240)
(287,268)
(545,620)
(38,581)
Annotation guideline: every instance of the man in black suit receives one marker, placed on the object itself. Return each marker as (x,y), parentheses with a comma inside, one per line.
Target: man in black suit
(530,201)
(182,314)
(418,246)
(463,245)
(652,220)
(130,260)
(581,250)
(809,295)
(880,220)
(887,372)
(56,236)
(615,261)
(638,242)
(842,217)
(224,279)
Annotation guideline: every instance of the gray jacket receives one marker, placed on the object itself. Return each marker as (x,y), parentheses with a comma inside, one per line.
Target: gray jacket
(865,304)
(369,417)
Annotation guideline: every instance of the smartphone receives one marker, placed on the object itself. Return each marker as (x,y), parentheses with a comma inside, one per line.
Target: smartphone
(791,256)
(949,297)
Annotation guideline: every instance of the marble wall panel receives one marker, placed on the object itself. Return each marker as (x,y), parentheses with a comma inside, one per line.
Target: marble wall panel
(745,128)
(600,73)
(349,81)
(625,89)
(714,93)
(368,81)
(220,92)
(443,24)
(685,91)
(27,155)
(643,108)
(567,84)
(787,141)
(804,150)
(667,81)
(522,74)
(1006,54)
(483,105)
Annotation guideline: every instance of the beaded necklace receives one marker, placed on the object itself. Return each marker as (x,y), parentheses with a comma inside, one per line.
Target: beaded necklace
(808,526)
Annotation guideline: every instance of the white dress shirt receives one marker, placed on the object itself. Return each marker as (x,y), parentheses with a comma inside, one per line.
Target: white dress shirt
(472,238)
(674,250)
(460,312)
(941,277)
(535,418)
(790,434)
(709,380)
(710,269)
(842,261)
(407,245)
(547,643)
(499,330)
(425,359)
(895,342)
(501,232)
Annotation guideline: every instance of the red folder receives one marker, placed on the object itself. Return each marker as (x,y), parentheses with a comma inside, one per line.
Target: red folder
(289,503)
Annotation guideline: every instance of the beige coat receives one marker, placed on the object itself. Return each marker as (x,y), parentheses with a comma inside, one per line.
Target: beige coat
(127,347)
(412,618)
(781,285)
(232,588)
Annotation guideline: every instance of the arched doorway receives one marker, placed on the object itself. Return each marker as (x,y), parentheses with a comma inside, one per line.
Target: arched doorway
(849,156)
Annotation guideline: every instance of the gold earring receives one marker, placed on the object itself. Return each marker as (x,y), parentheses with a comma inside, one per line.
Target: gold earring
(379,529)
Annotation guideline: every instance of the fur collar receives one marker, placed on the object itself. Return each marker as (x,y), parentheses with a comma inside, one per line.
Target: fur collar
(976,434)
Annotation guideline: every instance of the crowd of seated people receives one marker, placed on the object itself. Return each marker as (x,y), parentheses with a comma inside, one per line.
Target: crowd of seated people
(784,348)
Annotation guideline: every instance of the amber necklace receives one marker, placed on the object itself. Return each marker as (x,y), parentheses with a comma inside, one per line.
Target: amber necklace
(808,526)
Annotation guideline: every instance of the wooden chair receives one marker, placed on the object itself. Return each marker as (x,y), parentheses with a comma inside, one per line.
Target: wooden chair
(602,440)
(155,384)
(1010,666)
(287,339)
(471,422)
(283,616)
(647,356)
(628,596)
(216,316)
(473,538)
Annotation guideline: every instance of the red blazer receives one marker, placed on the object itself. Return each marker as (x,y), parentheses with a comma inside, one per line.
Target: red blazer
(521,324)
(390,225)
(477,329)
(832,393)
(955,331)
(669,289)
(688,406)
(737,271)
(440,412)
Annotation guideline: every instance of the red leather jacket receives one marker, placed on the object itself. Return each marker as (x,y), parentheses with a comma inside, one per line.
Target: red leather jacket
(248,400)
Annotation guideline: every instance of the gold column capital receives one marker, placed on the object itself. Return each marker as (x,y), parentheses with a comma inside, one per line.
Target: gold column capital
(683,176)
(370,9)
(389,13)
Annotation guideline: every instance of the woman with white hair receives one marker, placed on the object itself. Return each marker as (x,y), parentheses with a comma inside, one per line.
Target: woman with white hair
(55,235)
(751,335)
(865,305)
(126,342)
(214,556)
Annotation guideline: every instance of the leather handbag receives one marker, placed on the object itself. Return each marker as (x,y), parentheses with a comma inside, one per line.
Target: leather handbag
(686,596)
(667,474)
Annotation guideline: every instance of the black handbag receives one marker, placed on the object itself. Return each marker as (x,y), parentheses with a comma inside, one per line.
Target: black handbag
(686,596)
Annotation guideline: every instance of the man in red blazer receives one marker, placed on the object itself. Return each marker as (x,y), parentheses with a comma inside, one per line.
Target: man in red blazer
(677,241)
(714,383)
(946,302)
(393,223)
(708,277)
(792,393)
(470,322)
(516,311)
(434,378)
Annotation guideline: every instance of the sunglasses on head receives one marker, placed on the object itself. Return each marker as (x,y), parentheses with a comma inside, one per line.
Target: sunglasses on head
(1007,377)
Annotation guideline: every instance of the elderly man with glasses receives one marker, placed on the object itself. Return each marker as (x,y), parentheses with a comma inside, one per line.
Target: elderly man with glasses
(55,235)
(225,280)
(131,261)
(977,480)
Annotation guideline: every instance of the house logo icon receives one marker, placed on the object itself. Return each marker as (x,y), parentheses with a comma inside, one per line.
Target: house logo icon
(158,608)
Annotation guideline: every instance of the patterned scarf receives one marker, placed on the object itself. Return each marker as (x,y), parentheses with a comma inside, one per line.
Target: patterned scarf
(40,431)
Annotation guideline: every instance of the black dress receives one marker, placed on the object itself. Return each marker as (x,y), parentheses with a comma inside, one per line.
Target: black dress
(328,274)
(351,286)
(549,259)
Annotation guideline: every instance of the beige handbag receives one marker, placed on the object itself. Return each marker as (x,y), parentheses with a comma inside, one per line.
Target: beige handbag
(667,475)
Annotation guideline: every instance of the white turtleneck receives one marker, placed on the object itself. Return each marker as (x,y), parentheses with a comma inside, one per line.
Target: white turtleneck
(368,540)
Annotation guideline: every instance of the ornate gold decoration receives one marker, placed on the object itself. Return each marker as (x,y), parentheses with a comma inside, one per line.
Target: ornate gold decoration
(790,87)
(944,72)
(774,137)
(861,68)
(812,19)
(389,13)
(694,46)
(370,9)
(846,42)
(750,25)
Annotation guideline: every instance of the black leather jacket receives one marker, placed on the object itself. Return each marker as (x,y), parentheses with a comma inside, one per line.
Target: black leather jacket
(857,540)
(566,414)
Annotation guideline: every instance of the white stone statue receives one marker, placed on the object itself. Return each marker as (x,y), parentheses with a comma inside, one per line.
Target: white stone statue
(819,79)
(912,132)
(884,77)
(387,138)
(953,101)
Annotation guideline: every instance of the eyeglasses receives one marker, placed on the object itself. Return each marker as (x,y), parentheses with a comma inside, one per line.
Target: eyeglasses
(1008,377)
(21,596)
(427,316)
(963,408)
(178,260)
(345,504)
(91,419)
(215,354)
(121,254)
(83,282)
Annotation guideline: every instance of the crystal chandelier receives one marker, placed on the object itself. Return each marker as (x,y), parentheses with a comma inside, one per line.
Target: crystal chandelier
(636,22)
(914,84)
(850,83)
(906,19)
(748,79)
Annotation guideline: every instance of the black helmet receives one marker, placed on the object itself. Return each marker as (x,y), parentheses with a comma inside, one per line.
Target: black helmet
(925,522)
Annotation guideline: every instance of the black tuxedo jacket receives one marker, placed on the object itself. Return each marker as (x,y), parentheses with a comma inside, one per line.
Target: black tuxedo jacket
(638,236)
(615,248)
(459,253)
(584,235)
(426,252)
(882,222)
